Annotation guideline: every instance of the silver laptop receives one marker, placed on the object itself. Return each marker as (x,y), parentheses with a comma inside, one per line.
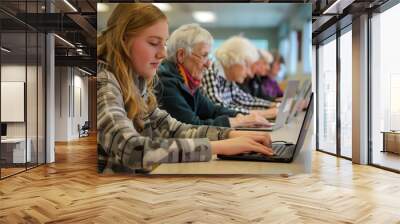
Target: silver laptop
(302,95)
(283,153)
(284,108)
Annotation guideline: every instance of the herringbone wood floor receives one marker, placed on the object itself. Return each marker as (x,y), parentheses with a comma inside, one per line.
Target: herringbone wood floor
(71,191)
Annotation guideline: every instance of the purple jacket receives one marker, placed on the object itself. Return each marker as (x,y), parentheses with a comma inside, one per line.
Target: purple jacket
(271,88)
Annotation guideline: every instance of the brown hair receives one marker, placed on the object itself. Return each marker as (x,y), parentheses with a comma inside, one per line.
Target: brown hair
(127,20)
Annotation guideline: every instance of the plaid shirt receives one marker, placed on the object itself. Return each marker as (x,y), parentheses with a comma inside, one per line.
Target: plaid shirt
(228,93)
(124,148)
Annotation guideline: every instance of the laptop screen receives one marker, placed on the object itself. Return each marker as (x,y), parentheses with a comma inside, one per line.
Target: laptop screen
(305,125)
(3,129)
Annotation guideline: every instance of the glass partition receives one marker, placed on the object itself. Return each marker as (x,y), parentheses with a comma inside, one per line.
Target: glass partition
(14,145)
(22,88)
(327,97)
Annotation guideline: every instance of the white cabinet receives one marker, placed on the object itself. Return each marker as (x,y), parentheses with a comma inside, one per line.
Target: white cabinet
(15,148)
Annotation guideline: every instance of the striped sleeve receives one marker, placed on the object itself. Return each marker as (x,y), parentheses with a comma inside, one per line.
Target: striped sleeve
(211,88)
(127,150)
(164,125)
(248,101)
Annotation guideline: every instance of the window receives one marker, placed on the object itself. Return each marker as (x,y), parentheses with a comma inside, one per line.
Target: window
(346,94)
(327,97)
(385,84)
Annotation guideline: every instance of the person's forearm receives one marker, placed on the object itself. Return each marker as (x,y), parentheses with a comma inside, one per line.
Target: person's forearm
(233,121)
(223,147)
(240,121)
(262,113)
(268,114)
(215,147)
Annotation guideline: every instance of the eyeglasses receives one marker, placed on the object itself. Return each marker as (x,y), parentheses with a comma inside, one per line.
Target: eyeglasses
(203,58)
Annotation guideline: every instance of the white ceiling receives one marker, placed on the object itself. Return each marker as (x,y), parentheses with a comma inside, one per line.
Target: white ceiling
(238,15)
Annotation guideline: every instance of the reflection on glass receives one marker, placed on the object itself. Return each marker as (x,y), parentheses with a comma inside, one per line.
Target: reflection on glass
(13,85)
(327,97)
(385,85)
(346,94)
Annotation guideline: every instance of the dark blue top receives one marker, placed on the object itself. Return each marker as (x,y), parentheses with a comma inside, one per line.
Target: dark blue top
(174,97)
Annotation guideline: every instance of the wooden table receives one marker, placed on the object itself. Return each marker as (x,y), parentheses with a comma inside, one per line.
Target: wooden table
(301,164)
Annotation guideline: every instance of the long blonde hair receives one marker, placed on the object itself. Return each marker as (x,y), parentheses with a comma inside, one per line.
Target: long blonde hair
(128,19)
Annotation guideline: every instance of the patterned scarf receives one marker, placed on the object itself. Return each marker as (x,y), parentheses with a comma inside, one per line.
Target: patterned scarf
(190,82)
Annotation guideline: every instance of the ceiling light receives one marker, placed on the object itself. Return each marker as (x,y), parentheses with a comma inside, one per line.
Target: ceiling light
(70,5)
(204,16)
(335,8)
(80,51)
(65,41)
(84,71)
(163,6)
(101,7)
(5,50)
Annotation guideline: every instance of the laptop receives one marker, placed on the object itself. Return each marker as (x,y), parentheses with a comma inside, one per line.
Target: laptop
(283,152)
(302,94)
(284,108)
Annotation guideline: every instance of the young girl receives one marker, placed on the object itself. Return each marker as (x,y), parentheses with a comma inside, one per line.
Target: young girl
(133,134)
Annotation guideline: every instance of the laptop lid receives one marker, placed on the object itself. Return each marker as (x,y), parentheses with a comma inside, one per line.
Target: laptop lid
(288,98)
(284,108)
(302,94)
(305,126)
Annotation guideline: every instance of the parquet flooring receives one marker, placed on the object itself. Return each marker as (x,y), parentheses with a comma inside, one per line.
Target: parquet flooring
(10,171)
(71,191)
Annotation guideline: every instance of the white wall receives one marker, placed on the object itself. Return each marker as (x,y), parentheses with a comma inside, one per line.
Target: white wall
(61,103)
(79,110)
(71,93)
(13,73)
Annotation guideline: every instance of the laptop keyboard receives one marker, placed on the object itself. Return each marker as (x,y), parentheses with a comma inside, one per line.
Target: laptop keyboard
(279,149)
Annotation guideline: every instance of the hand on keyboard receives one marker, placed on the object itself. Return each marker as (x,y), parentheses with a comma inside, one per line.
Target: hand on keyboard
(241,144)
(259,136)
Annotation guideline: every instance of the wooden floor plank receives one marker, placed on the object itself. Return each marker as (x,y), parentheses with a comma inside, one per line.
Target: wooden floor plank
(71,191)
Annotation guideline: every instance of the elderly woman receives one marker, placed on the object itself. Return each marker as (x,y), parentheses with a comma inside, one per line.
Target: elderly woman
(260,69)
(180,77)
(233,65)
(270,86)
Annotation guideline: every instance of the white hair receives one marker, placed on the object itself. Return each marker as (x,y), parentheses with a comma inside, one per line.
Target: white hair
(266,56)
(186,37)
(236,50)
